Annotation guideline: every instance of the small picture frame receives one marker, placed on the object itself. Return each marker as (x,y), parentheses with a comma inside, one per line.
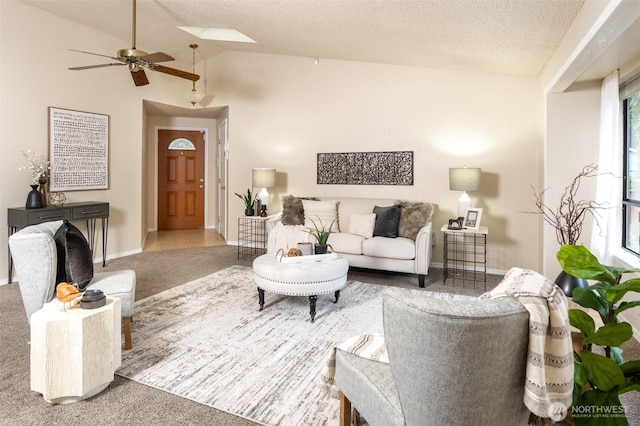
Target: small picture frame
(472,219)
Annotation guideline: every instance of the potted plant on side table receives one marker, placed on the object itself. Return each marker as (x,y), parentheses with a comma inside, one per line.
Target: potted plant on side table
(248,200)
(600,379)
(321,234)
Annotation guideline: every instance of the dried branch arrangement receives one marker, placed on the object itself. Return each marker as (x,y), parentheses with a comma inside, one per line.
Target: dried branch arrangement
(569,217)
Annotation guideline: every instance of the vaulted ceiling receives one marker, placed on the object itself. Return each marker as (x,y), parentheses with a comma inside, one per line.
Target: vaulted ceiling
(497,36)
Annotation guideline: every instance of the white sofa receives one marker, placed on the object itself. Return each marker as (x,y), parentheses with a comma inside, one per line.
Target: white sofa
(400,254)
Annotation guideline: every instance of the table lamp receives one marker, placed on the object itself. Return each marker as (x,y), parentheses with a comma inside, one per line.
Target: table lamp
(263,178)
(464,179)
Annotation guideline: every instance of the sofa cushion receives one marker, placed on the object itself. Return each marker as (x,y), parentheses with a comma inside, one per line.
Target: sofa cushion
(413,216)
(387,221)
(293,209)
(362,224)
(346,243)
(391,248)
(320,214)
(75,261)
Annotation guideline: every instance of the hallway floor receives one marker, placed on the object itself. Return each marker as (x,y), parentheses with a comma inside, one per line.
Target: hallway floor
(182,238)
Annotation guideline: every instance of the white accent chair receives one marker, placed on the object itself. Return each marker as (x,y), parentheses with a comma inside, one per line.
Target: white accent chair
(35,258)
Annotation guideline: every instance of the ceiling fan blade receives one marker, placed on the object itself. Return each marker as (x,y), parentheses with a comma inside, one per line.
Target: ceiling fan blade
(95,54)
(157,57)
(88,67)
(175,72)
(139,77)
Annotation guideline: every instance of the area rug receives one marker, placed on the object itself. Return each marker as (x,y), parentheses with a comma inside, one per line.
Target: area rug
(207,341)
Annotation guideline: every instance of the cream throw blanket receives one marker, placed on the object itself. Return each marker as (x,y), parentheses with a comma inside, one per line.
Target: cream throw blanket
(549,375)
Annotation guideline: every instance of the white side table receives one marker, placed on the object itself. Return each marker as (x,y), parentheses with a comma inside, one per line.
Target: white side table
(74,353)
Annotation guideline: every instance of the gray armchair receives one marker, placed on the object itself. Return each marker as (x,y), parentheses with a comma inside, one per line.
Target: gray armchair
(452,362)
(35,258)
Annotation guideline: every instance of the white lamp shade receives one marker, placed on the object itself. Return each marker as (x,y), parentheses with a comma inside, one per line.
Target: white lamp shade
(264,178)
(464,179)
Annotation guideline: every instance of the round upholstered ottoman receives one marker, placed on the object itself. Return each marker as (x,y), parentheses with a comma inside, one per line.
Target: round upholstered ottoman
(305,276)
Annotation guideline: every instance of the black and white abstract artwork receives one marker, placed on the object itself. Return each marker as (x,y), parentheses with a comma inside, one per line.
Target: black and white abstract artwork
(366,168)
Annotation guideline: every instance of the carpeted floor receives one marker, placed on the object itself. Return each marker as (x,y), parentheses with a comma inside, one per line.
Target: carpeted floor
(128,402)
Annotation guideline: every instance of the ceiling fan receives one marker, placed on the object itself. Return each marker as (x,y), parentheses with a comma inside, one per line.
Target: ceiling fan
(136,60)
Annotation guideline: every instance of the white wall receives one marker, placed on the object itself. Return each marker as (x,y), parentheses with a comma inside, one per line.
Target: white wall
(34,75)
(285,110)
(573,127)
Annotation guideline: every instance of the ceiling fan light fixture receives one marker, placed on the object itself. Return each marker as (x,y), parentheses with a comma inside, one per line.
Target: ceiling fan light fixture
(218,34)
(193,95)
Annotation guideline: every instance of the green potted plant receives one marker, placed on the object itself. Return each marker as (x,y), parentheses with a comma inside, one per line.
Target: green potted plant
(599,379)
(321,234)
(248,199)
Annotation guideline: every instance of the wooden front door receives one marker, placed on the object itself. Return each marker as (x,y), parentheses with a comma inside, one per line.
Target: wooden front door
(180,179)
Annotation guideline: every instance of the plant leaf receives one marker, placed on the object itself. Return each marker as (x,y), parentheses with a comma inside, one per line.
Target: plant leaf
(587,298)
(624,306)
(630,387)
(630,368)
(617,292)
(611,334)
(602,372)
(582,321)
(579,262)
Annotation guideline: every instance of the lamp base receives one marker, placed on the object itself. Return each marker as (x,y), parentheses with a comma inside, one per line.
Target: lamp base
(464,202)
(263,210)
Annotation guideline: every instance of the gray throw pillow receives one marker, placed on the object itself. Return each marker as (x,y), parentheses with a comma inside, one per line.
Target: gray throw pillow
(387,221)
(75,262)
(413,216)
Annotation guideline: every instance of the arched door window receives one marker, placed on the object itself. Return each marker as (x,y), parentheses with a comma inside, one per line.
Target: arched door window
(182,144)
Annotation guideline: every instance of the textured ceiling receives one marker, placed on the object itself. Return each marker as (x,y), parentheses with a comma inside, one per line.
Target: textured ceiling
(497,36)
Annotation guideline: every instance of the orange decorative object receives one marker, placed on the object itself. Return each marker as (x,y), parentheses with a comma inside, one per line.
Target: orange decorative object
(294,252)
(66,292)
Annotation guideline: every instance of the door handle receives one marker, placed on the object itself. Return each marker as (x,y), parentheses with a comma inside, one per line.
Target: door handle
(201,186)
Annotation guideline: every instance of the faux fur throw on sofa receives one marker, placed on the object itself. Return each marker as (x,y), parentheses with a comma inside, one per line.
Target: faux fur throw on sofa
(413,216)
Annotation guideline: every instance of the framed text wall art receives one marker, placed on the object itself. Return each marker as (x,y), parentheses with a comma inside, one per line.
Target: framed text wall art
(78,150)
(366,168)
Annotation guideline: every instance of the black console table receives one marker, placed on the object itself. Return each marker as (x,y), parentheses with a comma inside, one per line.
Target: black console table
(21,217)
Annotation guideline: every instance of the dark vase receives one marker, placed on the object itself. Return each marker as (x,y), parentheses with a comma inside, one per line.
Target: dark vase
(249,212)
(43,190)
(34,199)
(568,282)
(321,249)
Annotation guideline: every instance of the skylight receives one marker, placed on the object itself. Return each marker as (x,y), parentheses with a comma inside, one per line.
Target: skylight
(218,34)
